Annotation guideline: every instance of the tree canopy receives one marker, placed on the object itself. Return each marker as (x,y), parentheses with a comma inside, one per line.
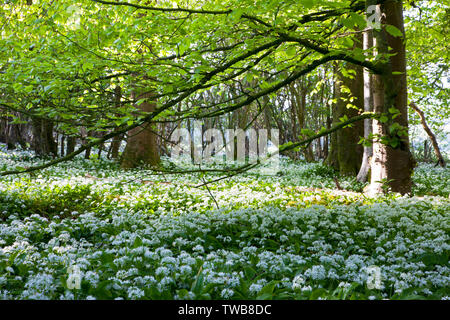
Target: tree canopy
(63,60)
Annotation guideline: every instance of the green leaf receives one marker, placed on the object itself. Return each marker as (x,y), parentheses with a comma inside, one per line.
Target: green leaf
(140,101)
(198,283)
(431,259)
(307,132)
(249,272)
(359,20)
(137,242)
(88,65)
(182,293)
(291,51)
(393,110)
(393,31)
(317,293)
(384,119)
(307,3)
(265,296)
(348,42)
(344,118)
(394,142)
(267,291)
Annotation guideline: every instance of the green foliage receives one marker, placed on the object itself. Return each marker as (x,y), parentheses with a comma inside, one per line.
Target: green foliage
(138,236)
(394,31)
(427,32)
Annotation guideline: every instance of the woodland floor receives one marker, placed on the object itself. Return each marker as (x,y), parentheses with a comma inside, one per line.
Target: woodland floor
(293,235)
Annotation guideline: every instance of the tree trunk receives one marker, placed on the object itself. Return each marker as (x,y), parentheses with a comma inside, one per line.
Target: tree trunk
(71,142)
(349,152)
(141,145)
(300,105)
(425,151)
(85,135)
(368,102)
(332,159)
(43,143)
(327,138)
(392,163)
(62,145)
(117,140)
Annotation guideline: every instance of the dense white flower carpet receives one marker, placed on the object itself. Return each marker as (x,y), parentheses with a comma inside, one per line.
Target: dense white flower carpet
(133,235)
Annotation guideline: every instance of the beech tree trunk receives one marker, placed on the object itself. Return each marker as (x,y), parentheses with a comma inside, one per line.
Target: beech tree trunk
(345,153)
(141,148)
(43,142)
(392,162)
(349,152)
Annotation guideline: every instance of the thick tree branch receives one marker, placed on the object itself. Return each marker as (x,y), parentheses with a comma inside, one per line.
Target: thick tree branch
(312,66)
(137,6)
(342,56)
